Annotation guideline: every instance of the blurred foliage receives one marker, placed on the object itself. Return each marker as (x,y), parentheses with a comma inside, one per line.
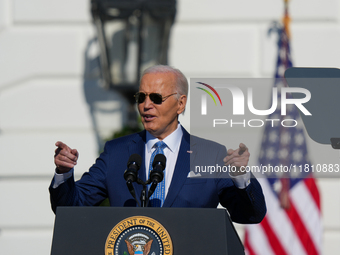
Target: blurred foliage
(125,131)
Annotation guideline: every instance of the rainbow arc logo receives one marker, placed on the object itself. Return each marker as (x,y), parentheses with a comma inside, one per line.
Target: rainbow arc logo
(204,97)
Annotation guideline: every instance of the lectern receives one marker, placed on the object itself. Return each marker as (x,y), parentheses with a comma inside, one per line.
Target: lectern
(147,231)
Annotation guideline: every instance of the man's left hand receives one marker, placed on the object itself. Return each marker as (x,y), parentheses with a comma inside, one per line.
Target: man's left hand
(237,159)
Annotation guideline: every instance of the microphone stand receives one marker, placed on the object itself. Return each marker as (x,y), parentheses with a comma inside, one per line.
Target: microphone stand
(144,197)
(156,176)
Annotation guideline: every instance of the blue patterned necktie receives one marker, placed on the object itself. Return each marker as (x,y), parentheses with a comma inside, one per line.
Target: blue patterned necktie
(157,198)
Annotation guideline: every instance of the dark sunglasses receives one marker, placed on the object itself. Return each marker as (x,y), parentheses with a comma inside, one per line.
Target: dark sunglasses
(154,97)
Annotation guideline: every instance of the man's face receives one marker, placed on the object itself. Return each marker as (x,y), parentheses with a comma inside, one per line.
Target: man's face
(160,120)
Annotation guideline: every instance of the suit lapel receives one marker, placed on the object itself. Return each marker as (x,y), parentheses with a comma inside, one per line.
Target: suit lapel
(181,171)
(138,146)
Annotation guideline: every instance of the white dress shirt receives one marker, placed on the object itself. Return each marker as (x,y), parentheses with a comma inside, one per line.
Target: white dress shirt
(173,142)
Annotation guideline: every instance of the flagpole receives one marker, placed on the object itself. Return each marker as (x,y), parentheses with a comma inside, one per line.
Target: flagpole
(293,221)
(285,180)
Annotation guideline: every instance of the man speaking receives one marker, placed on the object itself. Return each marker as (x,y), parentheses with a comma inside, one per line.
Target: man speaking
(161,99)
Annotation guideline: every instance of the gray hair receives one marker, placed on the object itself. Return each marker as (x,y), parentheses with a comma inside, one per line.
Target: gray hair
(181,84)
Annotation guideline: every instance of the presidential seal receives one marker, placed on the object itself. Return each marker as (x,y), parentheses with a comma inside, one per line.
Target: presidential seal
(138,235)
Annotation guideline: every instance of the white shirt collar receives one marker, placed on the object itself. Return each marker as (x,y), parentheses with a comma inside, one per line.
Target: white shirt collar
(172,141)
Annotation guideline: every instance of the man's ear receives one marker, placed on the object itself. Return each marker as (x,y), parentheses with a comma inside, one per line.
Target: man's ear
(182,101)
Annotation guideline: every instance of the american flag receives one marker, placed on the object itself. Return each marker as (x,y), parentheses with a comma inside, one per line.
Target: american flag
(293,221)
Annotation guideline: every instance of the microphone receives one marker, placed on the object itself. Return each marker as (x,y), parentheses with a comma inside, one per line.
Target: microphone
(133,166)
(156,175)
(131,173)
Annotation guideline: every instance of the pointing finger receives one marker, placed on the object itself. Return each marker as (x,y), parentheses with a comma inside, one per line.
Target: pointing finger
(61,145)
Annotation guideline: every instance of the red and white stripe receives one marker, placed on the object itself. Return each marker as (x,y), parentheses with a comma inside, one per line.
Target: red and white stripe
(293,231)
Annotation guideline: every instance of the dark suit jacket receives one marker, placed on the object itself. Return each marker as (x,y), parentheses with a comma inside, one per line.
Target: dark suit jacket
(105,179)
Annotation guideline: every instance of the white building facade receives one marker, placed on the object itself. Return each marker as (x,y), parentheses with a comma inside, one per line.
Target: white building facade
(50,90)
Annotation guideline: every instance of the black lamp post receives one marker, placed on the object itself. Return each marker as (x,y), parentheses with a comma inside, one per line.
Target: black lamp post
(133,35)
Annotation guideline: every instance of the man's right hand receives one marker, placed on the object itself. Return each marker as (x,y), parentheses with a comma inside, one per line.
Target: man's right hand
(65,158)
